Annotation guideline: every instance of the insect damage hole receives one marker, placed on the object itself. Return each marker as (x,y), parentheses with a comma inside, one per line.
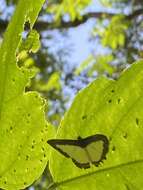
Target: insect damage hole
(11,129)
(28,114)
(43,150)
(113,149)
(137,121)
(125,135)
(32,147)
(119,100)
(13,80)
(27,157)
(84,117)
(14,170)
(5,182)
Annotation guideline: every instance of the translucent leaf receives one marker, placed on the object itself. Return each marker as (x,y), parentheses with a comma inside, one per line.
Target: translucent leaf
(72,7)
(115,34)
(52,84)
(84,64)
(32,43)
(23,128)
(115,109)
(102,65)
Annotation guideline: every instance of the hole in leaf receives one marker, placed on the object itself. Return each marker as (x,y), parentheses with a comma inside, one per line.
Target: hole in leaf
(42,139)
(125,136)
(24,183)
(112,91)
(14,170)
(109,101)
(5,182)
(29,114)
(113,148)
(42,131)
(137,121)
(119,100)
(32,146)
(27,157)
(44,155)
(84,117)
(13,80)
(41,161)
(43,149)
(11,128)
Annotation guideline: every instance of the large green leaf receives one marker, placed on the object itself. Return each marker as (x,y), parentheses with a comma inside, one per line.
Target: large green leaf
(115,109)
(23,128)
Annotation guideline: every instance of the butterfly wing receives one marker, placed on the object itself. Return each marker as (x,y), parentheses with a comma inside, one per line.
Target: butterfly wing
(71,149)
(92,149)
(97,147)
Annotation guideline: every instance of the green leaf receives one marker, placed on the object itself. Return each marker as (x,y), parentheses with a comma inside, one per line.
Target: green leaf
(73,7)
(23,128)
(115,109)
(102,65)
(84,64)
(115,33)
(52,84)
(32,43)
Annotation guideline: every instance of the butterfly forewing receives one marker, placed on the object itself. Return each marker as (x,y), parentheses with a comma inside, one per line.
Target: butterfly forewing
(75,152)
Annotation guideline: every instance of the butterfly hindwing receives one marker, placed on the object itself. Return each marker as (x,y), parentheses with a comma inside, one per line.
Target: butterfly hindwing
(83,152)
(97,147)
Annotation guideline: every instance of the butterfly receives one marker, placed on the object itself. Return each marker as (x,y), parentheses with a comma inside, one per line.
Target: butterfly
(83,151)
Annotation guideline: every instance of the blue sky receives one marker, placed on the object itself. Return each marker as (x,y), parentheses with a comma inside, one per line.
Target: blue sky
(78,38)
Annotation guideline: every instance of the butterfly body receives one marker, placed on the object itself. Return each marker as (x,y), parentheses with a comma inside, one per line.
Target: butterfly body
(83,152)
